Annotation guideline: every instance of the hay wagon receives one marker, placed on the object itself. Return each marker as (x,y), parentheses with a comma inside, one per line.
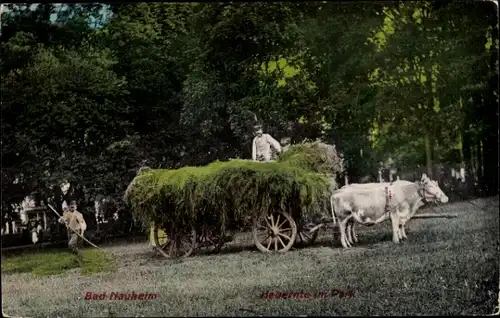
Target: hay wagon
(271,232)
(203,207)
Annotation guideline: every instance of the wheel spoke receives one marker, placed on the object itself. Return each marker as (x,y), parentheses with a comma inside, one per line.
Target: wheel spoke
(300,236)
(272,220)
(284,221)
(268,225)
(305,234)
(283,244)
(265,239)
(277,220)
(269,244)
(261,234)
(285,236)
(286,231)
(265,230)
(275,244)
(172,249)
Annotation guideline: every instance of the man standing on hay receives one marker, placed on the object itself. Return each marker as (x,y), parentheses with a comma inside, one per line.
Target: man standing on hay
(261,146)
(73,220)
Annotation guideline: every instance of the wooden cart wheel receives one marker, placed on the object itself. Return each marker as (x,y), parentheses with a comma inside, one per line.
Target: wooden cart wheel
(304,237)
(210,241)
(160,238)
(180,244)
(275,232)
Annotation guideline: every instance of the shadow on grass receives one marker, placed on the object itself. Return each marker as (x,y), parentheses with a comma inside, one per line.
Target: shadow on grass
(250,247)
(54,261)
(325,239)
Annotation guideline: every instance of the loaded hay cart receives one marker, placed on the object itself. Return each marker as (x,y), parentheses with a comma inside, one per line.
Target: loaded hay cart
(204,206)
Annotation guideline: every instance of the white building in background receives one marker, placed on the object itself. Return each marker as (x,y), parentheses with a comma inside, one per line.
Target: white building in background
(28,203)
(99,211)
(458,174)
(28,210)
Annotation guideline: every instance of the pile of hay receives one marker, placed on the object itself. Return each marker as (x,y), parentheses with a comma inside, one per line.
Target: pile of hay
(228,193)
(316,156)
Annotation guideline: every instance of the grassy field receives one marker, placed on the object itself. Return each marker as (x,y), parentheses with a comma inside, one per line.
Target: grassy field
(447,267)
(53,262)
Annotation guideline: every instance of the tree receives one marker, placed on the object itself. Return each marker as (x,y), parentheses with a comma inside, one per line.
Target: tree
(61,107)
(428,60)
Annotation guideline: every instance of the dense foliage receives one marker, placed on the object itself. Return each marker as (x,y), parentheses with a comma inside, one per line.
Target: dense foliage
(91,92)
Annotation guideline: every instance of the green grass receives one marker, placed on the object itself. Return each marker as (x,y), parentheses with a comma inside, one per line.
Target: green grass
(446,267)
(54,262)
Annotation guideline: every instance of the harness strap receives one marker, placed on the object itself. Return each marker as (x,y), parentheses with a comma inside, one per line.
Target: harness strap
(388,198)
(421,190)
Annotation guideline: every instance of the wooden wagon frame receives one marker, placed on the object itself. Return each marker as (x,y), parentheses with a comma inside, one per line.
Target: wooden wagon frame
(271,232)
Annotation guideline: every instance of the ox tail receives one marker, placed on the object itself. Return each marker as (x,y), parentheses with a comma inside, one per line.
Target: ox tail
(333,211)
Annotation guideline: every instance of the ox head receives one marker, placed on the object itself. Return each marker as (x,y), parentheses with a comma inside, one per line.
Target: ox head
(431,191)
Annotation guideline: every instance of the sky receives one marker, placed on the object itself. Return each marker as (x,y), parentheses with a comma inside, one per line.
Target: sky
(53,17)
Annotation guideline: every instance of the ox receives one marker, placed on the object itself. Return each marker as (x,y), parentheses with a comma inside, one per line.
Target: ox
(373,203)
(350,232)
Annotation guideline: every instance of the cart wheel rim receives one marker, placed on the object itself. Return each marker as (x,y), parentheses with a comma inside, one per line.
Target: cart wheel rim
(184,244)
(183,247)
(275,232)
(160,248)
(304,236)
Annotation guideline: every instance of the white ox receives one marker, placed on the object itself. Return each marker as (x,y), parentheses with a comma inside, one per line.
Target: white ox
(373,203)
(351,236)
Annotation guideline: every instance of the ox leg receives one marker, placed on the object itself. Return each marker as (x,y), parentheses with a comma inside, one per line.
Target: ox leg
(395,226)
(400,235)
(354,235)
(349,232)
(403,219)
(342,228)
(402,230)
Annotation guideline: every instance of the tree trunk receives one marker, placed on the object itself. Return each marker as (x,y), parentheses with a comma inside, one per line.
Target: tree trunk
(430,133)
(461,148)
(466,148)
(472,160)
(479,160)
(428,154)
